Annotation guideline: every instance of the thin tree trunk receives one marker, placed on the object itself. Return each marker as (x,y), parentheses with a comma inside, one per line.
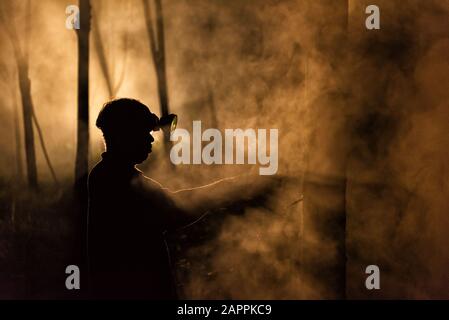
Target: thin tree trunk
(158,53)
(27,108)
(162,76)
(22,61)
(25,89)
(25,95)
(82,150)
(44,148)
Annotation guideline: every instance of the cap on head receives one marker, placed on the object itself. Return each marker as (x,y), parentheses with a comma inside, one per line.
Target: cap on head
(124,115)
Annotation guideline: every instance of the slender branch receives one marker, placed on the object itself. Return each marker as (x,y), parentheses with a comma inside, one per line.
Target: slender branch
(44,148)
(108,75)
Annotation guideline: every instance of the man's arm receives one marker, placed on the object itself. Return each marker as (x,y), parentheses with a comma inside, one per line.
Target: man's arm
(188,205)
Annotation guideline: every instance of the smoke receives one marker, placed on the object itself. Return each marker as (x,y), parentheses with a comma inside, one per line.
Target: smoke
(350,105)
(362,128)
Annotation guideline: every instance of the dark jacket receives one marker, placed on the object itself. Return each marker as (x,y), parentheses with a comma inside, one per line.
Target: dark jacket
(128,215)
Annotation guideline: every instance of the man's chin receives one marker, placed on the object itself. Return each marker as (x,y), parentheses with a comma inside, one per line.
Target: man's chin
(143,158)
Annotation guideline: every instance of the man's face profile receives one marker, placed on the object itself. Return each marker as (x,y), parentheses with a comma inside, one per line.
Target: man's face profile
(134,145)
(126,125)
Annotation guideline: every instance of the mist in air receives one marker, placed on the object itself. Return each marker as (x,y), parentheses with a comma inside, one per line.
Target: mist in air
(362,119)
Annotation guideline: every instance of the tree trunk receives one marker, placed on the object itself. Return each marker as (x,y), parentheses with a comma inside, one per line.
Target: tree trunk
(82,149)
(157,46)
(160,61)
(27,105)
(25,91)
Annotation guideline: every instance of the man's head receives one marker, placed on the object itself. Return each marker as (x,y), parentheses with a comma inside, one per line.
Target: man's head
(126,125)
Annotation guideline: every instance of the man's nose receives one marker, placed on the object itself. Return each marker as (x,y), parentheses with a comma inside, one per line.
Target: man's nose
(151,138)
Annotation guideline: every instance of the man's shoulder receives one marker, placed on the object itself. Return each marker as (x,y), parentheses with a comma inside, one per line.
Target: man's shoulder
(105,175)
(99,171)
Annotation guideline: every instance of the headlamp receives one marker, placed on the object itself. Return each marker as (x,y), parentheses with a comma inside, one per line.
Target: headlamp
(167,122)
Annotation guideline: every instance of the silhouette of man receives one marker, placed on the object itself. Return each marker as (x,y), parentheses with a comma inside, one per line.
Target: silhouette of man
(128,213)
